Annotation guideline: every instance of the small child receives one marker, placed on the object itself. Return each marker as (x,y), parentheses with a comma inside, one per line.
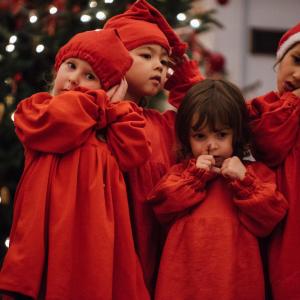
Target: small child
(275,122)
(150,41)
(213,204)
(71,235)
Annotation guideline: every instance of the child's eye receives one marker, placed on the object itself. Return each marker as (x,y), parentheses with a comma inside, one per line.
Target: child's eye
(165,62)
(70,65)
(146,55)
(198,136)
(90,76)
(296,59)
(221,134)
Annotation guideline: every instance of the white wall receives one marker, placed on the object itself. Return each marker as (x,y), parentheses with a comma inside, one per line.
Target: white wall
(238,17)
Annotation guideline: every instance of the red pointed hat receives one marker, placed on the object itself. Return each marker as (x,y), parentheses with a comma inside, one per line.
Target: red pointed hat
(291,37)
(143,24)
(92,47)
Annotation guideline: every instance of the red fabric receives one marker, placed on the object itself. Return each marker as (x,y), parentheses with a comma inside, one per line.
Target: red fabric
(160,131)
(143,24)
(211,250)
(71,236)
(275,122)
(91,46)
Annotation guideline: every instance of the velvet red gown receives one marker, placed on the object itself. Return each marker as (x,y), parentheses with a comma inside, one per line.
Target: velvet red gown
(275,122)
(71,236)
(212,251)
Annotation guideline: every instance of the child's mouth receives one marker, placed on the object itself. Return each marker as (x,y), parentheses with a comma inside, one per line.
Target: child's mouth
(218,161)
(288,87)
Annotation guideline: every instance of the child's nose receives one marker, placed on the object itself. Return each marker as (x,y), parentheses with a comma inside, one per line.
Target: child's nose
(211,146)
(74,78)
(296,74)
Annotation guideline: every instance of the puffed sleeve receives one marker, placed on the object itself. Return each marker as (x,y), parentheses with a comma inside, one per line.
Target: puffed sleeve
(275,124)
(126,134)
(57,124)
(261,206)
(184,77)
(182,188)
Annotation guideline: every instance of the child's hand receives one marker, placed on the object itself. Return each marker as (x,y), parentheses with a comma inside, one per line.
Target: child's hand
(118,92)
(233,168)
(207,162)
(297,92)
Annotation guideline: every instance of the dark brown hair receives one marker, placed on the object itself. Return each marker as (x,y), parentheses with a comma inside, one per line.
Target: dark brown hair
(214,103)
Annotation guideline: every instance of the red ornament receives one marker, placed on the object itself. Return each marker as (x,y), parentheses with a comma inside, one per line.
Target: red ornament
(222,2)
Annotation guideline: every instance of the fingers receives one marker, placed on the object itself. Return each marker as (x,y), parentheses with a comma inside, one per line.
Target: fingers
(118,92)
(205,162)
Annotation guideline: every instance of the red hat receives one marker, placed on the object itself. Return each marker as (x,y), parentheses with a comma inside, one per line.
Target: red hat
(291,37)
(93,47)
(143,24)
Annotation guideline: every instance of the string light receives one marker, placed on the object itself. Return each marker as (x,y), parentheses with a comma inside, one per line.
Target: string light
(108,1)
(40,48)
(181,17)
(100,15)
(33,19)
(93,4)
(12,116)
(195,23)
(10,48)
(7,243)
(85,18)
(13,39)
(53,10)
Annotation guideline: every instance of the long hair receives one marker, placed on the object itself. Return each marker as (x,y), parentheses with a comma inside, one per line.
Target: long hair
(213,103)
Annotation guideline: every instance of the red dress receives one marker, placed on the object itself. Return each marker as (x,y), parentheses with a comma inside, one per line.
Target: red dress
(275,122)
(140,181)
(71,236)
(211,251)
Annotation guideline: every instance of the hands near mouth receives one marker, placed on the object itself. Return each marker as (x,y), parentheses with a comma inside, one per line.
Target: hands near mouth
(231,167)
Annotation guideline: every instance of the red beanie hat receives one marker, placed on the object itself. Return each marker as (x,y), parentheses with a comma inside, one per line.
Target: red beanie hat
(103,50)
(291,37)
(143,24)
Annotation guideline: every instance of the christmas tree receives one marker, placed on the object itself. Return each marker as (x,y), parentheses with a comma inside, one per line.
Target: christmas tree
(31,32)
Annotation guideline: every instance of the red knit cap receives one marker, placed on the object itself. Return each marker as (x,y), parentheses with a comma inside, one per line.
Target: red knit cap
(103,50)
(143,24)
(291,37)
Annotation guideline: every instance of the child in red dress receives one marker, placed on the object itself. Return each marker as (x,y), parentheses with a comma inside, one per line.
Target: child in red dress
(214,204)
(71,235)
(151,41)
(275,122)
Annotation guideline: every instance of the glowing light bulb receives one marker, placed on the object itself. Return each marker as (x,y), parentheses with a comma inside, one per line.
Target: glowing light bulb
(100,15)
(181,17)
(10,48)
(7,243)
(93,4)
(40,48)
(53,10)
(85,18)
(13,39)
(33,18)
(195,23)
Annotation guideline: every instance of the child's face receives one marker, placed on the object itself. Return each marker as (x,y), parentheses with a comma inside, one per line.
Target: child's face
(74,73)
(217,143)
(147,75)
(288,75)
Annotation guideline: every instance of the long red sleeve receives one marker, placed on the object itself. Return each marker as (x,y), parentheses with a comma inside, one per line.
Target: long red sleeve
(58,124)
(275,124)
(179,191)
(184,77)
(260,205)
